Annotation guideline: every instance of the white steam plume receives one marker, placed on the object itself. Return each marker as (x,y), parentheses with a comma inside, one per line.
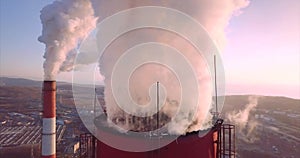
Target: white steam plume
(65,24)
(214,15)
(241,119)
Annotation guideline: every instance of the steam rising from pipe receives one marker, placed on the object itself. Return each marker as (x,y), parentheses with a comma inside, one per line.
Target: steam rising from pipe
(214,15)
(65,24)
(242,119)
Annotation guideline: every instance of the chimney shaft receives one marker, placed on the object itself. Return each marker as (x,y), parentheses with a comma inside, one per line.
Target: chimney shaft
(49,120)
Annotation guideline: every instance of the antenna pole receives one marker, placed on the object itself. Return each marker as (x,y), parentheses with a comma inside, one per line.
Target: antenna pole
(157,103)
(95,101)
(157,117)
(216,89)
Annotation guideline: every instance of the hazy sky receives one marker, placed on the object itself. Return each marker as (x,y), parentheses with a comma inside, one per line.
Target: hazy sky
(262,55)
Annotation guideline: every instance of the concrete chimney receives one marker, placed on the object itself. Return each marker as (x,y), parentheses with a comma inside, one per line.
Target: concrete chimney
(49,120)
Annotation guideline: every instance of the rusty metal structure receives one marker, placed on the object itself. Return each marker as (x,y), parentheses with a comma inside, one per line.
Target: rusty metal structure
(219,142)
(226,141)
(87,146)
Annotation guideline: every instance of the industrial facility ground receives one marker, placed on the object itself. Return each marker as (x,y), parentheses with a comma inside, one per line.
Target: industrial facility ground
(272,130)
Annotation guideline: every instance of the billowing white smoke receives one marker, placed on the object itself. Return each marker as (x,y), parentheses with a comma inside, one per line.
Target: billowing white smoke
(65,24)
(214,15)
(241,119)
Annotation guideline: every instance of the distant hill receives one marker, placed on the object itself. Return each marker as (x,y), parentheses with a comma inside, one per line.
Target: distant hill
(237,102)
(22,82)
(7,81)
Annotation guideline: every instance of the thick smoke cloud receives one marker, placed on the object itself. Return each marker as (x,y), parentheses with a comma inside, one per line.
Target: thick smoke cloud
(65,24)
(214,15)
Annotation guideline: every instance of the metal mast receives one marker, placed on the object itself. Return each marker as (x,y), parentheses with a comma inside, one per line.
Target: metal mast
(216,89)
(157,104)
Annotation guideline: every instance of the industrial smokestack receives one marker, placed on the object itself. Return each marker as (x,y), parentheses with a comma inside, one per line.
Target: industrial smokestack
(65,24)
(49,120)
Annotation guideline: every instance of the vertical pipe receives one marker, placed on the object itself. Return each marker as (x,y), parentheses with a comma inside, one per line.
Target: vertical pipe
(224,147)
(157,104)
(216,89)
(219,141)
(234,140)
(94,146)
(49,120)
(215,143)
(157,107)
(95,102)
(229,137)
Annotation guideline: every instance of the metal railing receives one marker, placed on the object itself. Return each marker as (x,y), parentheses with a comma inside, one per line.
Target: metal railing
(226,141)
(87,145)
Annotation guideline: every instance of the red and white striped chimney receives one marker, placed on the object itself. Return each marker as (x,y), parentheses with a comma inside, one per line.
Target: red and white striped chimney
(49,120)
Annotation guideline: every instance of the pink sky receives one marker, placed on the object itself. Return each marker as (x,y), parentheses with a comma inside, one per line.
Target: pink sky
(262,55)
(263,51)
